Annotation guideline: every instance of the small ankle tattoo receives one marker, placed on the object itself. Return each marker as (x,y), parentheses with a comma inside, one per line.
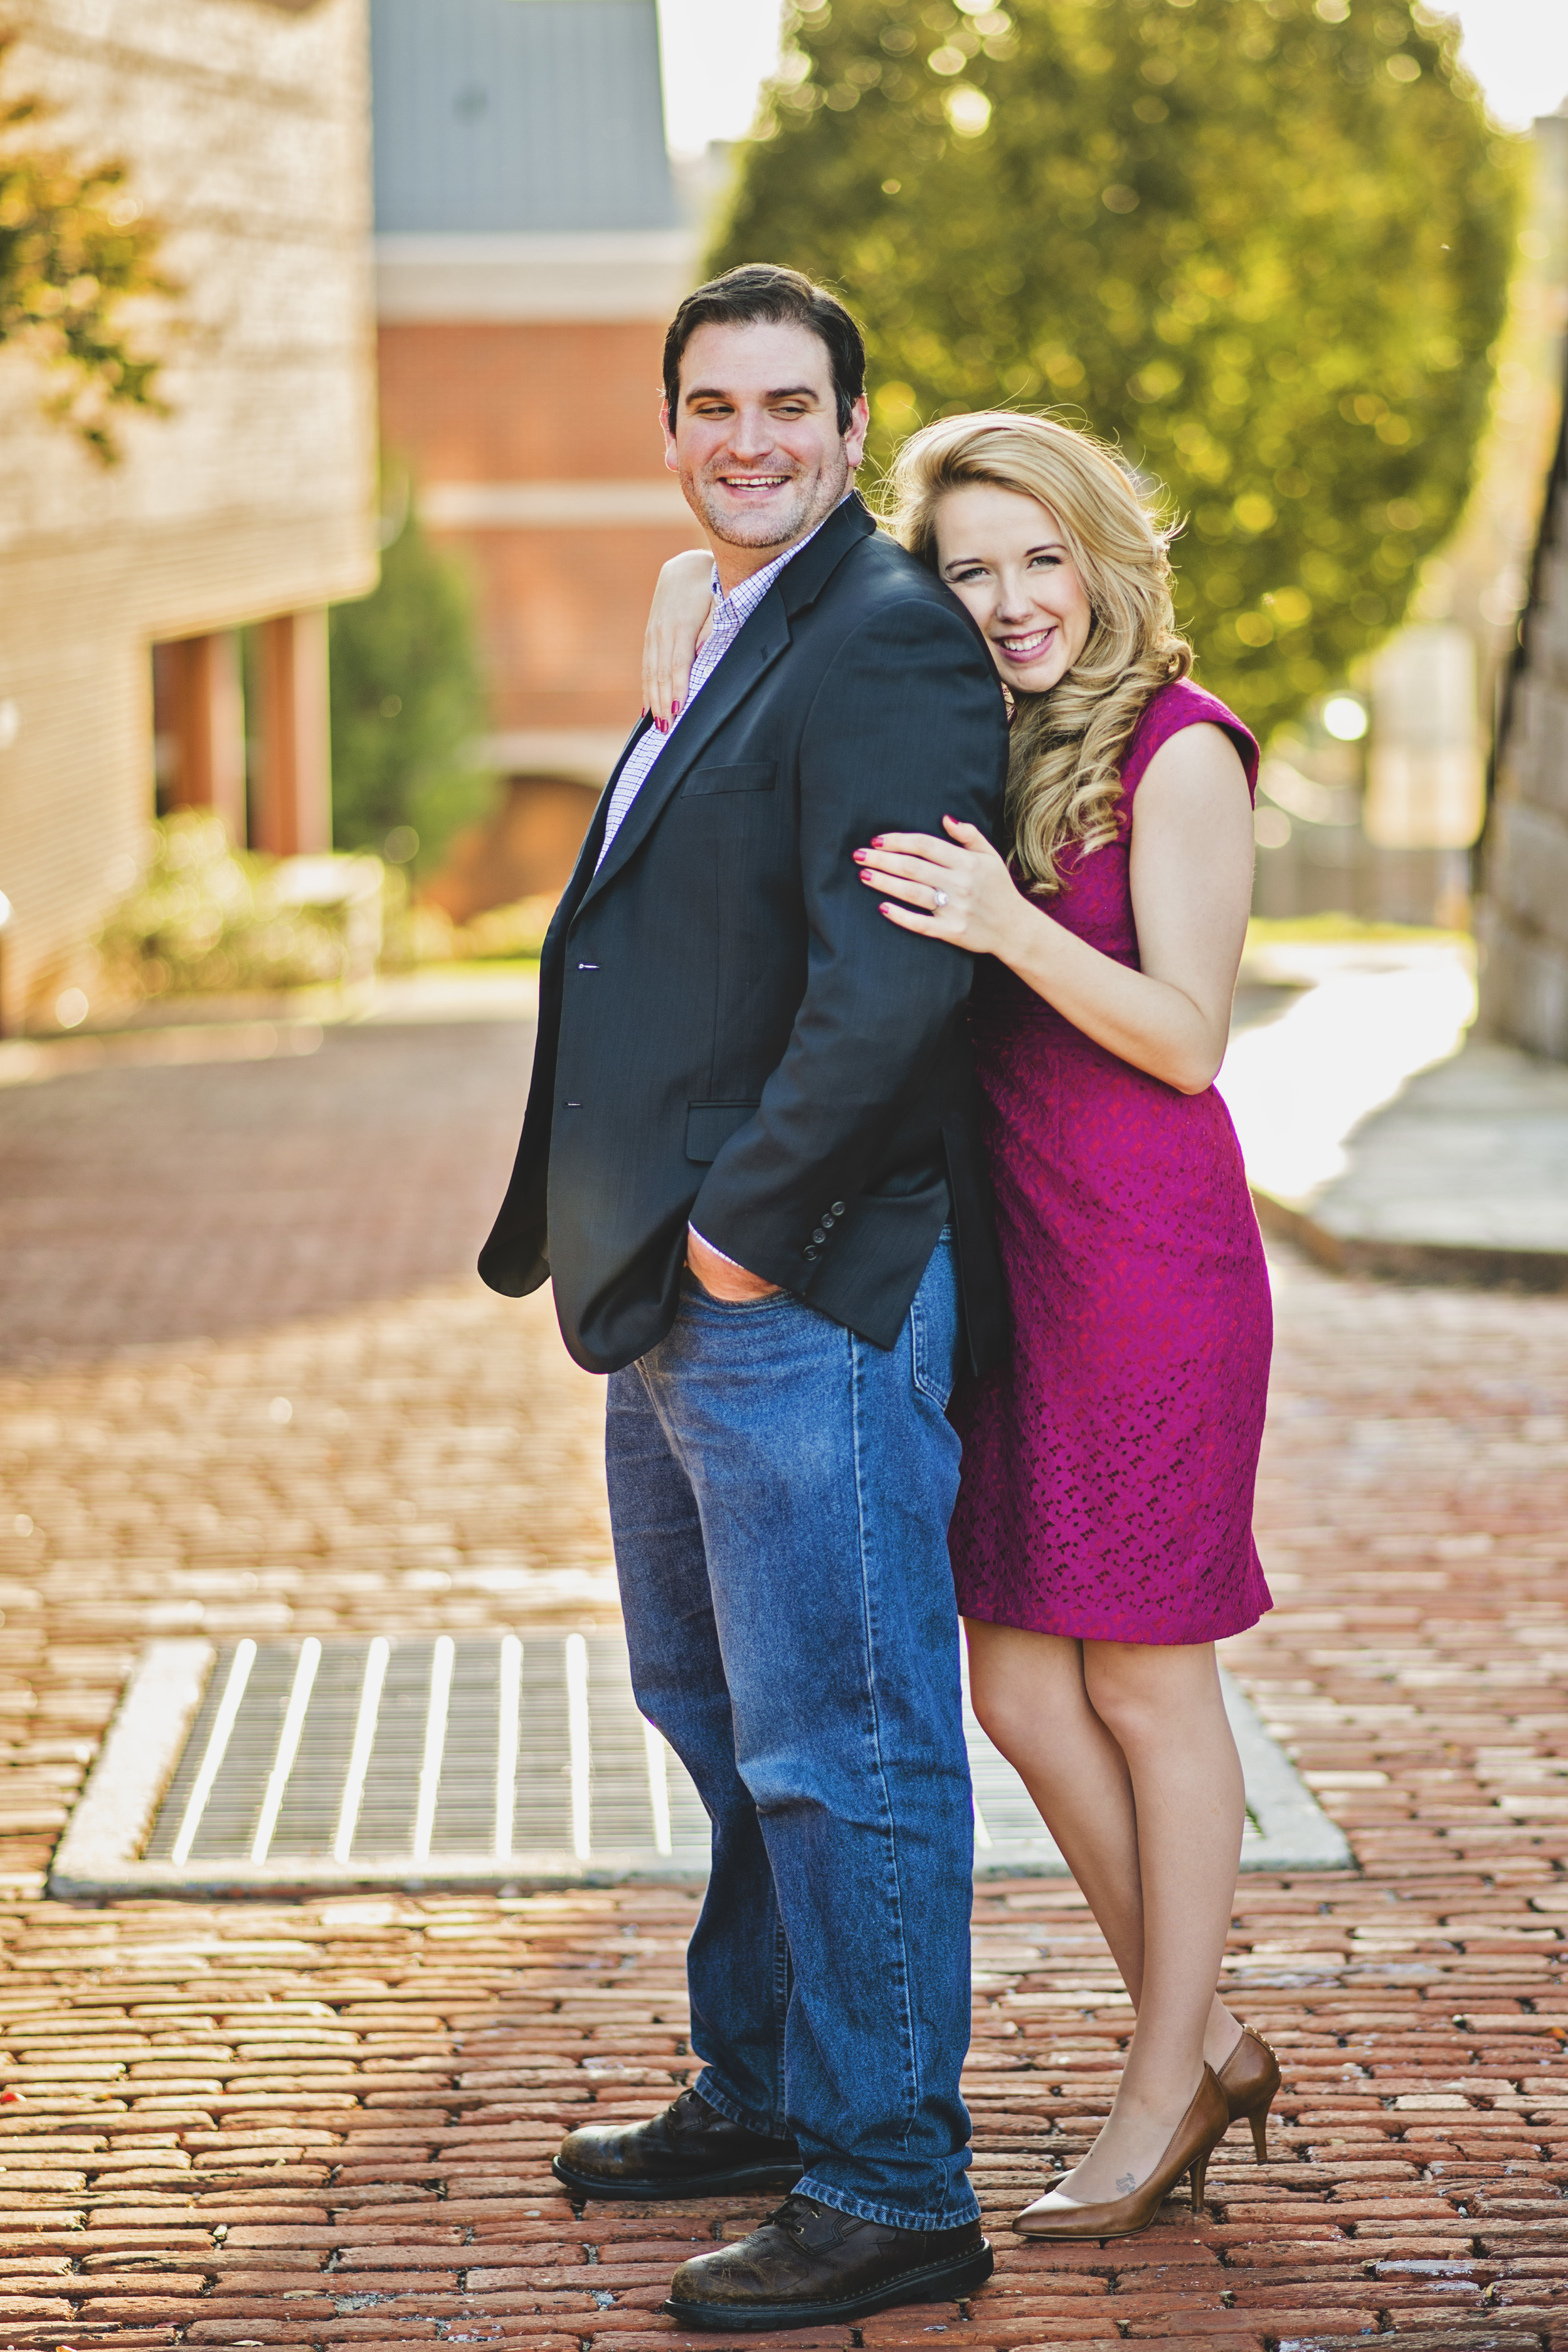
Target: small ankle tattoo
(1127,2184)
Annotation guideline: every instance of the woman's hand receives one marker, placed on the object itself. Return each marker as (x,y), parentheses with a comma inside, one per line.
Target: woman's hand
(682,608)
(958,890)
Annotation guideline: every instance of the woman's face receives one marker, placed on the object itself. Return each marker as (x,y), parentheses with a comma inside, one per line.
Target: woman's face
(1006,556)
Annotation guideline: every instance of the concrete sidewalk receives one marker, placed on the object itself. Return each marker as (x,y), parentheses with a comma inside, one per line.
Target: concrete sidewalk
(252,1386)
(1463,1178)
(1383,1136)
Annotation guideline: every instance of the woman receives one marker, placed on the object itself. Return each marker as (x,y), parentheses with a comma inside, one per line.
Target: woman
(1102,1539)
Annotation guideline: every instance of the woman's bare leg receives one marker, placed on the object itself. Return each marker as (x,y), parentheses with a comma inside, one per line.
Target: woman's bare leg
(1163,1707)
(1027,1691)
(1127,1751)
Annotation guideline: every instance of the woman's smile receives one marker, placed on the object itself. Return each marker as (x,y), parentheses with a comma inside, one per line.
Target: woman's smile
(1029,649)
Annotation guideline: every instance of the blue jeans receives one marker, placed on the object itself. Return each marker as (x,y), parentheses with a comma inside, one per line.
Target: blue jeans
(780,1491)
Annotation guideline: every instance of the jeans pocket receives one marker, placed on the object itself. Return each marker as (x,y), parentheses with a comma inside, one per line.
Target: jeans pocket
(693,1289)
(933,1327)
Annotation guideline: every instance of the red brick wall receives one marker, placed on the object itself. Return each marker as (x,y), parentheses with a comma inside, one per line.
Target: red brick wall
(563,610)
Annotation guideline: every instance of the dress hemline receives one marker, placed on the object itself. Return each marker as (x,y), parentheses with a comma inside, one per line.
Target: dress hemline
(1144,1641)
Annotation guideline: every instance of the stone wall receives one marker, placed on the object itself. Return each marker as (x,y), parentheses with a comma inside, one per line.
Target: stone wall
(1524,918)
(245,128)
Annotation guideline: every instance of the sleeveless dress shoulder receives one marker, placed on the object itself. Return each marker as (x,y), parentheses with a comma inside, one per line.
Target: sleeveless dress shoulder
(1109,1466)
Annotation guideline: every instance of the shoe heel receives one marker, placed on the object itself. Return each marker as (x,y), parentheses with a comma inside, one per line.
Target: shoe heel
(1260,2122)
(1198,2173)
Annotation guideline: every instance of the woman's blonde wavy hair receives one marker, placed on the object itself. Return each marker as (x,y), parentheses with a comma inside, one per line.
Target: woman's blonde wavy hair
(1064,780)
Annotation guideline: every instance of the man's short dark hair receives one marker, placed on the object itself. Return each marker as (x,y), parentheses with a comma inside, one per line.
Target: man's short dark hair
(759,291)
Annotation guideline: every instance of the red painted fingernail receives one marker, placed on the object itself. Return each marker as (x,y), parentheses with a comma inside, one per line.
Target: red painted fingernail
(859,855)
(876,841)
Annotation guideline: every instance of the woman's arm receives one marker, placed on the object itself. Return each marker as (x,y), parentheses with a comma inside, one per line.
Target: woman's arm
(1192,888)
(677,624)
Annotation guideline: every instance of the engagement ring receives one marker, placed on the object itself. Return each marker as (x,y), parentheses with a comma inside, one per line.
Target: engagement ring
(938,898)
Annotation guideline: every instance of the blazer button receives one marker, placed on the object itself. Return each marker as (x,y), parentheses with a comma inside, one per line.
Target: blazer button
(819,1235)
(808,1253)
(838,1208)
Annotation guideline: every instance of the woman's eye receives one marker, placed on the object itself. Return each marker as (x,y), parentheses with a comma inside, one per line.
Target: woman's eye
(1045,562)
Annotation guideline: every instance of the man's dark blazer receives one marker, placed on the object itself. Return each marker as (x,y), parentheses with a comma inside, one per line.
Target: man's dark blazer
(729,1031)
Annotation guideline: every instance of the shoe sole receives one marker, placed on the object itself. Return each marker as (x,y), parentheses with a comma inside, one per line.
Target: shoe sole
(938,2283)
(662,2192)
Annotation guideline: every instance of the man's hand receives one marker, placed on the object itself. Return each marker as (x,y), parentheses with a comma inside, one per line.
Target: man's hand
(719,1277)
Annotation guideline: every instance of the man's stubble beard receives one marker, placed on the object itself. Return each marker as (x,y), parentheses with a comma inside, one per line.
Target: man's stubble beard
(771,530)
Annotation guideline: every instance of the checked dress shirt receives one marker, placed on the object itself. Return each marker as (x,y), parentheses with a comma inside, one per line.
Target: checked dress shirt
(731,614)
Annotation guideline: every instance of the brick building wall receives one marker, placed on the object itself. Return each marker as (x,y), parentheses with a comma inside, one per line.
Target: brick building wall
(244,124)
(529,251)
(536,450)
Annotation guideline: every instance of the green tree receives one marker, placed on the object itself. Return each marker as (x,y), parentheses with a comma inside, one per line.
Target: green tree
(1263,246)
(74,247)
(408,701)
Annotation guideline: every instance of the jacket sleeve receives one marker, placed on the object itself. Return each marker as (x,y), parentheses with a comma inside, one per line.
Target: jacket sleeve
(907,726)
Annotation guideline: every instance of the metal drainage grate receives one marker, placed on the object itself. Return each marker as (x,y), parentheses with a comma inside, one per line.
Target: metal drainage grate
(483,1757)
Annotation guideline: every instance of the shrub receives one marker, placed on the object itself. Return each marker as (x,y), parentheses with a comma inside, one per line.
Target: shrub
(408,701)
(208,917)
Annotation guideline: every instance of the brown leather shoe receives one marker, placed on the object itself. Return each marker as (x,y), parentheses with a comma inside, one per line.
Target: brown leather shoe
(690,2151)
(1191,2144)
(811,2266)
(1249,2079)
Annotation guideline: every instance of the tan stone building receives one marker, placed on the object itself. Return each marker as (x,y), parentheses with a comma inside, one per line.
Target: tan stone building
(244,124)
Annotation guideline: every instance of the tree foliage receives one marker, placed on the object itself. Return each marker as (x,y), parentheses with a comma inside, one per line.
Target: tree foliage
(407,698)
(1262,245)
(74,247)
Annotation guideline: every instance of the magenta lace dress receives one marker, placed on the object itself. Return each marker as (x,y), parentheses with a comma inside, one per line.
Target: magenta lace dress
(1109,1466)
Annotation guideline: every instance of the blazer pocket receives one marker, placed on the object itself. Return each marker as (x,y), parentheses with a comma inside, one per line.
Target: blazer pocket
(749,776)
(709,1125)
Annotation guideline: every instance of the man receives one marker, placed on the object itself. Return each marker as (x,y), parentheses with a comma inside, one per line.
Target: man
(749,1166)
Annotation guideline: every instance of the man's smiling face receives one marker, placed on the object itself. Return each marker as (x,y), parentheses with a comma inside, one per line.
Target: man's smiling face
(755,439)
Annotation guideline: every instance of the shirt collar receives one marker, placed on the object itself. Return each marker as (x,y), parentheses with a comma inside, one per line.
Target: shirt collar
(755,586)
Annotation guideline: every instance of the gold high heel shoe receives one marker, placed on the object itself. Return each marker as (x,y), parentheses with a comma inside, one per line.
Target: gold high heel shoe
(1200,2131)
(1250,2079)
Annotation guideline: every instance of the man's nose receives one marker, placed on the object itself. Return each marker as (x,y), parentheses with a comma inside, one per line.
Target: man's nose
(752,433)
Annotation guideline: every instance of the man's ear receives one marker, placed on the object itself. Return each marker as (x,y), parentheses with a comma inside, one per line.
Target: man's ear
(671,461)
(859,426)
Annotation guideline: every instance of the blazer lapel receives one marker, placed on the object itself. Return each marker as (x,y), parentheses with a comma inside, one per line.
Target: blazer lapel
(761,642)
(765,637)
(588,859)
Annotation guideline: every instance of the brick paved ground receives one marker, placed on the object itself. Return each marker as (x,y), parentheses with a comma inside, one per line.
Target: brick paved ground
(329,2122)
